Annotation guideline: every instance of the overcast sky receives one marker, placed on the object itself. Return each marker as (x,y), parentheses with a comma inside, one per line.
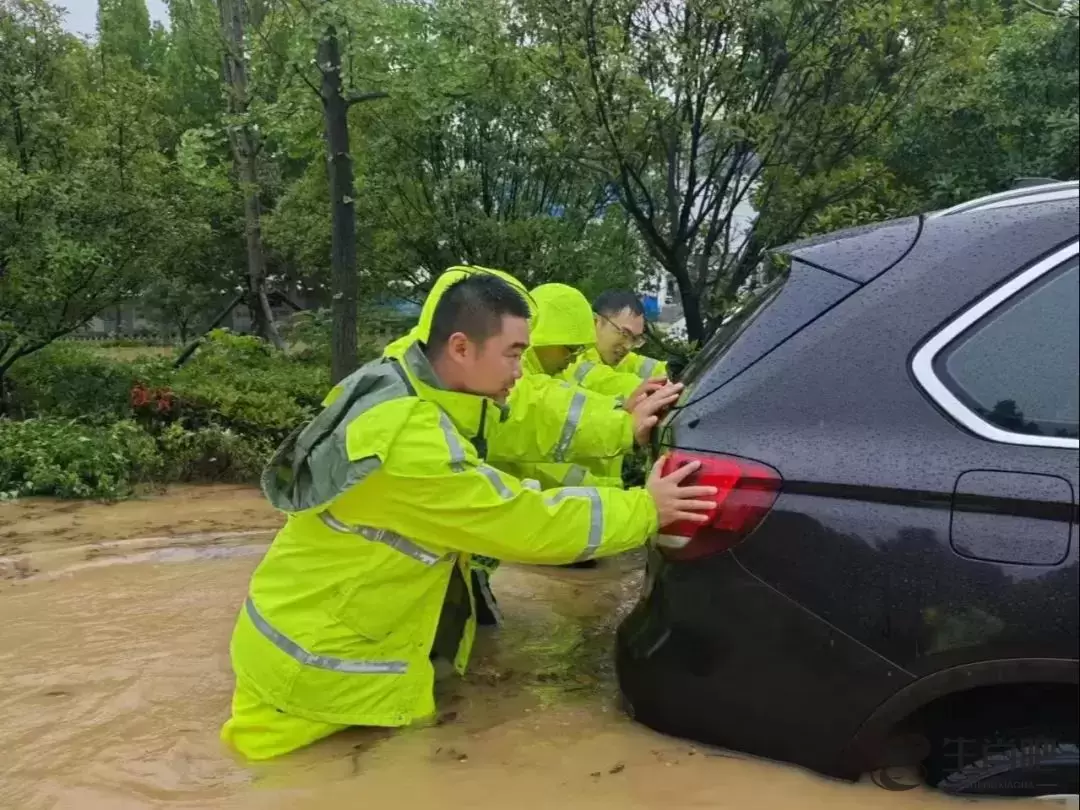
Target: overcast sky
(82,14)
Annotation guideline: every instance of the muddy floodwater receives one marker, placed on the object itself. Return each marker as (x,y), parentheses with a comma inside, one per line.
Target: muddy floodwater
(114,680)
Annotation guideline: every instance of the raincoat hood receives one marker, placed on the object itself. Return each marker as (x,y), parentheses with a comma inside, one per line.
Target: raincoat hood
(562,317)
(422,331)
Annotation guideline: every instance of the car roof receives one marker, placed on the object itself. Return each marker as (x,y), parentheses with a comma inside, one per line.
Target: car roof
(1028,195)
(865,252)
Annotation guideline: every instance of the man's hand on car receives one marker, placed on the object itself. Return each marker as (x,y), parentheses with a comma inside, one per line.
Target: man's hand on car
(647,411)
(642,391)
(675,500)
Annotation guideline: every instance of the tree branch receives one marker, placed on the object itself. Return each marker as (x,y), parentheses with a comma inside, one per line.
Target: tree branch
(1061,11)
(356,97)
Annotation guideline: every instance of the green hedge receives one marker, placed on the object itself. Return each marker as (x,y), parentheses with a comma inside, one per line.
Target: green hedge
(68,459)
(89,426)
(211,454)
(243,383)
(233,381)
(71,460)
(71,381)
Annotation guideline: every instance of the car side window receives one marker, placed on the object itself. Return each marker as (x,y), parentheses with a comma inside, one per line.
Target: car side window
(1018,367)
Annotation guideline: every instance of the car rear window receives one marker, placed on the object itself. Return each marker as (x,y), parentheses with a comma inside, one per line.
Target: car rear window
(735,323)
(763,321)
(1019,367)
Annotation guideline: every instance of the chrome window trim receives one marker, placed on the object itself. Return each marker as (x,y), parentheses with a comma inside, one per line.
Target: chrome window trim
(922,365)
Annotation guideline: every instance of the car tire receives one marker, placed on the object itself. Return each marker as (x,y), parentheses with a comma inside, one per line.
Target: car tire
(1046,770)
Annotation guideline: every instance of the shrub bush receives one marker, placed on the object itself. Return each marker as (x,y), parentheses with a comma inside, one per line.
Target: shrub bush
(71,460)
(73,382)
(243,383)
(308,334)
(211,454)
(66,459)
(96,426)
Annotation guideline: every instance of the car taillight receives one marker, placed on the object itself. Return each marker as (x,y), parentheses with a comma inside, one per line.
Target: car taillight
(745,492)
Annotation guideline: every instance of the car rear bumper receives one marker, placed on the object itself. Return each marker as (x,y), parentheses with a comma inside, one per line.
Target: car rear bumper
(714,654)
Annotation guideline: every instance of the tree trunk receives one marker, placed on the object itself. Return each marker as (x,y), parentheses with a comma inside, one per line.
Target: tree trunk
(343,279)
(691,302)
(695,324)
(245,158)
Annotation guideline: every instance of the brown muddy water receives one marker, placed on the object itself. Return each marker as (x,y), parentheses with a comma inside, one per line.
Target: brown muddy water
(114,680)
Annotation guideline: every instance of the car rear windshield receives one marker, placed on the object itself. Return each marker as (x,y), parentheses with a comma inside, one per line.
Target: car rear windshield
(737,321)
(767,318)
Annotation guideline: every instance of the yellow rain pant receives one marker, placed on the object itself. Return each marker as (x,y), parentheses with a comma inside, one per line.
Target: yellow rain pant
(259,731)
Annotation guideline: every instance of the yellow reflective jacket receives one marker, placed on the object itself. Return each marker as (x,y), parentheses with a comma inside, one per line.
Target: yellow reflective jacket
(563,317)
(647,368)
(590,371)
(542,410)
(387,498)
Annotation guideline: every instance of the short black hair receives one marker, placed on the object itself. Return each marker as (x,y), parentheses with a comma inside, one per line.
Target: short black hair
(474,306)
(613,302)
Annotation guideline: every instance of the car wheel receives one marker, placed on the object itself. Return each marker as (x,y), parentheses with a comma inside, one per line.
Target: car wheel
(1048,771)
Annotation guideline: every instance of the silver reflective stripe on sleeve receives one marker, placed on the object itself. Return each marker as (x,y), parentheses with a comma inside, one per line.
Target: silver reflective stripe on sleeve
(388,538)
(647,368)
(294,650)
(583,370)
(492,475)
(457,452)
(575,476)
(573,417)
(596,515)
(531,483)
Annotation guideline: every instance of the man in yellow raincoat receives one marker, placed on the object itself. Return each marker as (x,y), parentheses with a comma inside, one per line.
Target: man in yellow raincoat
(387,496)
(619,318)
(561,324)
(563,331)
(611,366)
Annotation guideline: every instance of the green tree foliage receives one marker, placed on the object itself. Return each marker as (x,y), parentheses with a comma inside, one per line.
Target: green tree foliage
(480,170)
(586,141)
(1001,104)
(124,33)
(694,108)
(79,181)
(1010,110)
(463,161)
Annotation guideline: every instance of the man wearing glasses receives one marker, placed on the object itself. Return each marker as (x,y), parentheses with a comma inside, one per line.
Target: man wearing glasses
(564,331)
(620,328)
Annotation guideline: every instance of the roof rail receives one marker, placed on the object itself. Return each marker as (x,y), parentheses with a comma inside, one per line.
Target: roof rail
(1028,195)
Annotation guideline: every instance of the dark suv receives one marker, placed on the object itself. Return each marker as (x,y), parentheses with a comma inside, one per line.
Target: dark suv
(892,425)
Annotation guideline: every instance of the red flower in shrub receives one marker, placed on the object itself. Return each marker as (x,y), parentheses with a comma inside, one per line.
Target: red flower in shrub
(164,400)
(139,396)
